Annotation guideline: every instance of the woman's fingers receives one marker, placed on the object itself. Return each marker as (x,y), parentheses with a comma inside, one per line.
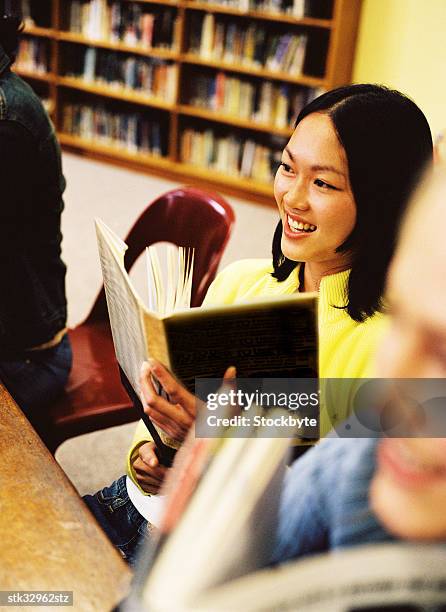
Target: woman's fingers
(147,463)
(172,427)
(156,475)
(230,374)
(176,413)
(175,390)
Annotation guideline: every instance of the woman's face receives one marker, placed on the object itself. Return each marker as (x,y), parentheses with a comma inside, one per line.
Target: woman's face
(408,491)
(313,193)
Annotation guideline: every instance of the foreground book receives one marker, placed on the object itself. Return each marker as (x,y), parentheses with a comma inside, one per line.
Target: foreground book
(218,532)
(388,577)
(266,338)
(218,523)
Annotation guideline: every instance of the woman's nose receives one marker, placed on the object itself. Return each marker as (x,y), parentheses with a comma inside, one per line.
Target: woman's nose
(297,196)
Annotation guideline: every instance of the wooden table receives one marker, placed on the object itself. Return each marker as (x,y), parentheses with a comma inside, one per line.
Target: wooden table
(48,538)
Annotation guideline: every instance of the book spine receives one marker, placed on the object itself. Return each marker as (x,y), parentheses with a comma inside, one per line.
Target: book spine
(33,55)
(207,36)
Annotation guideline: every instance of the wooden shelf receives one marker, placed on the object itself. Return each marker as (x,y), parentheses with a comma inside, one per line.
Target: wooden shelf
(160,2)
(118,93)
(261,192)
(268,16)
(196,60)
(249,124)
(233,181)
(336,36)
(37,31)
(47,77)
(113,150)
(73,37)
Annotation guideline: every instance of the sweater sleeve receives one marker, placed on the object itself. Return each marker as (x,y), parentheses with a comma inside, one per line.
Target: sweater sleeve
(140,437)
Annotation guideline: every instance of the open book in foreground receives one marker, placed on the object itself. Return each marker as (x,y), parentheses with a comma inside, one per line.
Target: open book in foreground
(218,530)
(265,338)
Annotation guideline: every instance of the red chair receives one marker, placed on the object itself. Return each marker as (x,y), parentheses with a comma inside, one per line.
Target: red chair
(94,398)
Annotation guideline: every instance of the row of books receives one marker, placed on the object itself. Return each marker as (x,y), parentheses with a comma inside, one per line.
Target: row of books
(229,154)
(37,12)
(132,132)
(152,76)
(126,22)
(267,102)
(297,8)
(33,55)
(217,39)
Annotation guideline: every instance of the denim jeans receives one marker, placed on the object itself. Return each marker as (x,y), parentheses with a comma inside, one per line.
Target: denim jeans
(118,517)
(37,378)
(324,502)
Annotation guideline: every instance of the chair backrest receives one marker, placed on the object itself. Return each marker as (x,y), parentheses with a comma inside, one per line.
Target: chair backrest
(186,217)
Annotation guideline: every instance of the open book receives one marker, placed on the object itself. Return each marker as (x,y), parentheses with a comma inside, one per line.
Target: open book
(270,338)
(218,533)
(222,499)
(393,577)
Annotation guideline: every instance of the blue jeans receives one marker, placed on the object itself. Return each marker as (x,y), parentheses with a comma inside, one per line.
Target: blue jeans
(36,379)
(324,502)
(126,528)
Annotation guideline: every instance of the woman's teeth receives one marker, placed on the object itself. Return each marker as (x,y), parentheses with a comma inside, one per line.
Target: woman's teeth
(298,226)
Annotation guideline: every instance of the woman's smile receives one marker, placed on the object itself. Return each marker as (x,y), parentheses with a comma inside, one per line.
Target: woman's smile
(407,467)
(298,225)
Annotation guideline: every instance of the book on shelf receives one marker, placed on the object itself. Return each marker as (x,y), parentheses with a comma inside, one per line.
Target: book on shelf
(296,8)
(263,337)
(231,42)
(230,154)
(207,36)
(267,103)
(129,23)
(33,55)
(36,13)
(151,77)
(131,132)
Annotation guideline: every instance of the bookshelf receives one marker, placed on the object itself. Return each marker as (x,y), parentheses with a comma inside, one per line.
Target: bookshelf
(194,91)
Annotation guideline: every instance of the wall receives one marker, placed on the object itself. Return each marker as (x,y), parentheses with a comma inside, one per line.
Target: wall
(401,43)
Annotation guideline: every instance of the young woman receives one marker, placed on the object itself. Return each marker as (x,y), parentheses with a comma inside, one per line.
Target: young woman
(341,188)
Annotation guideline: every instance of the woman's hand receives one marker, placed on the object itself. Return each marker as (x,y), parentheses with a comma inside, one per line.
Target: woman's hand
(174,415)
(149,472)
(177,414)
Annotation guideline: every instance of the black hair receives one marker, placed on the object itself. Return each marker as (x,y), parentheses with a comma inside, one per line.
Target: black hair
(387,142)
(10,26)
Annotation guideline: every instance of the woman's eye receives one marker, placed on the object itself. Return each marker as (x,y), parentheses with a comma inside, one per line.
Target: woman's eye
(285,167)
(323,184)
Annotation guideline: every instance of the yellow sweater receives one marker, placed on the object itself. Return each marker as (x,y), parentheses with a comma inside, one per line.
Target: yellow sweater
(346,348)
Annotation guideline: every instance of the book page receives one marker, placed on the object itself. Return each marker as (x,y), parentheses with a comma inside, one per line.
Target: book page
(395,576)
(169,277)
(124,306)
(227,526)
(264,338)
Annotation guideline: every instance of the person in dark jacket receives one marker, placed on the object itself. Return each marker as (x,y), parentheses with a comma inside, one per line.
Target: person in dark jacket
(35,354)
